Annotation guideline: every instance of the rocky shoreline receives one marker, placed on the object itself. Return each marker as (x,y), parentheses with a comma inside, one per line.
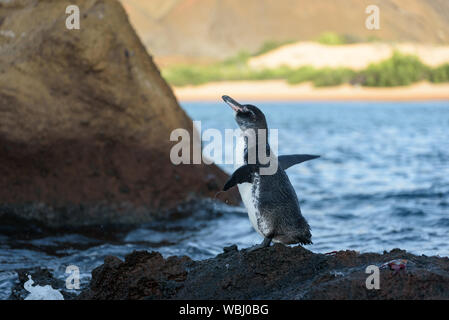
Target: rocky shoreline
(278,272)
(275,273)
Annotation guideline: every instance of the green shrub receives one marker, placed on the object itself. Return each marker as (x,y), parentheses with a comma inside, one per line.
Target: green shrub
(270,46)
(351,38)
(195,75)
(399,70)
(182,75)
(301,75)
(331,38)
(439,74)
(373,39)
(240,58)
(321,77)
(332,77)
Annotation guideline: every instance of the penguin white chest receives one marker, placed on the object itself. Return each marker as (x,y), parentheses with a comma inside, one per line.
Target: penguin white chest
(249,192)
(250,197)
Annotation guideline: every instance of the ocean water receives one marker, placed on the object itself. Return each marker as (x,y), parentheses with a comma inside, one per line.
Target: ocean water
(382,182)
(383,177)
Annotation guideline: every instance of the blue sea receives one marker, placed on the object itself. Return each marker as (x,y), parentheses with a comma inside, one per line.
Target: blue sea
(383,177)
(382,182)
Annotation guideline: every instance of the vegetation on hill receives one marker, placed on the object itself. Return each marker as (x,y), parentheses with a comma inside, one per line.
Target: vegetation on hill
(271,45)
(396,71)
(440,74)
(332,38)
(399,70)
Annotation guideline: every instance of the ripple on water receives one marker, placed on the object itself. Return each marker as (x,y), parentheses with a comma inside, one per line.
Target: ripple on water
(408,212)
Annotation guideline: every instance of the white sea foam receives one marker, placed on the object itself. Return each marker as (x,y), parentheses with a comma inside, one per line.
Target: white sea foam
(41,292)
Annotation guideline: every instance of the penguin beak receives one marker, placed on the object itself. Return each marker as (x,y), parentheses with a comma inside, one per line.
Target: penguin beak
(237,107)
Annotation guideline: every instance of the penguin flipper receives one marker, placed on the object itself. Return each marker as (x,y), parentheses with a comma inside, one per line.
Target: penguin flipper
(287,161)
(241,175)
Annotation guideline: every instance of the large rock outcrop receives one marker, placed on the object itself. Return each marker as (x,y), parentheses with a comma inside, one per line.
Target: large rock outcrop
(85,120)
(277,272)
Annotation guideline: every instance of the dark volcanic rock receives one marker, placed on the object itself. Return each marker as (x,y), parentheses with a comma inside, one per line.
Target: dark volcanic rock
(142,275)
(277,272)
(85,121)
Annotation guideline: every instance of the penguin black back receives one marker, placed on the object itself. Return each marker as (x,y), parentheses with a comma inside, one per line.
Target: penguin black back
(270,199)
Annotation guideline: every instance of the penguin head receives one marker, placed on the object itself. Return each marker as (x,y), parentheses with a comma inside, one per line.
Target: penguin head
(247,116)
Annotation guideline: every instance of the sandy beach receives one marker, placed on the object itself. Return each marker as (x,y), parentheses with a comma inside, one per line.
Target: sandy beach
(356,56)
(281,90)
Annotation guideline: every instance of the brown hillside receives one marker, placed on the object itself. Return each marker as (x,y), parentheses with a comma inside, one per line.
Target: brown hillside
(208,28)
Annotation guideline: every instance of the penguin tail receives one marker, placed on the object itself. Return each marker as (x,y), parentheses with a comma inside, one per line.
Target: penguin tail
(294,239)
(304,240)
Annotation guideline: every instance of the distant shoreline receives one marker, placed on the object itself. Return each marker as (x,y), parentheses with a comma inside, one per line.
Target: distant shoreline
(280,90)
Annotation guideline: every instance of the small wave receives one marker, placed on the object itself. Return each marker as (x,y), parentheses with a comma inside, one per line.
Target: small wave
(408,212)
(343,216)
(399,231)
(443,222)
(444,204)
(430,193)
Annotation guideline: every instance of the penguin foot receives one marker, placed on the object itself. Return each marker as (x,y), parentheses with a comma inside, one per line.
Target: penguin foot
(265,243)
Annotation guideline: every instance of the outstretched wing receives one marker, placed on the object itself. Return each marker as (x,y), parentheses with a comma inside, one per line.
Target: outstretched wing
(287,161)
(241,175)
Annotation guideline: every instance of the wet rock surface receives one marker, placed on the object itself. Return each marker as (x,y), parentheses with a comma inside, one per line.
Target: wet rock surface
(277,272)
(85,121)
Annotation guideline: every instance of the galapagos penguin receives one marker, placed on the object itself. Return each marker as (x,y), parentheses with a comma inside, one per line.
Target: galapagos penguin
(271,202)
